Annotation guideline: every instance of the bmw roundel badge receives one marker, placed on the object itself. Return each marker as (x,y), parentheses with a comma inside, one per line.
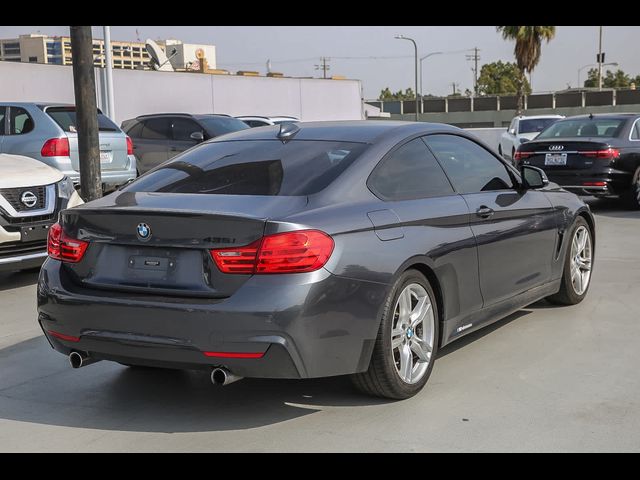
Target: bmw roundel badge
(143,231)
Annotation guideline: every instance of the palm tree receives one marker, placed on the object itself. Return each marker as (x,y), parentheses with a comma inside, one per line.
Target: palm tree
(527,50)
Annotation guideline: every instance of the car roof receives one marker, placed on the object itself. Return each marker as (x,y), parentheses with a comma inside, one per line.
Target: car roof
(611,116)
(535,117)
(363,131)
(38,104)
(264,117)
(177,114)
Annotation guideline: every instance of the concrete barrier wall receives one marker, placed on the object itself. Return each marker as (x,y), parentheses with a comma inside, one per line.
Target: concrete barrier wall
(137,92)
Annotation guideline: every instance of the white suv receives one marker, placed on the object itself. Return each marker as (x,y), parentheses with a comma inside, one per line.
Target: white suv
(31,196)
(522,129)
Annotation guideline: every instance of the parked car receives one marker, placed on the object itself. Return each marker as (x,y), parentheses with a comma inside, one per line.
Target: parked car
(312,250)
(48,133)
(161,136)
(521,130)
(31,196)
(590,155)
(258,121)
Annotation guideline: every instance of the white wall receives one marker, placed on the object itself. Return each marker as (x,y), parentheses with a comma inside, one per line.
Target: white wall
(139,91)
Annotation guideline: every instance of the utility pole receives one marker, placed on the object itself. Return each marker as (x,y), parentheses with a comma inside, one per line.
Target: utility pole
(475,57)
(600,61)
(108,65)
(324,66)
(454,85)
(84,87)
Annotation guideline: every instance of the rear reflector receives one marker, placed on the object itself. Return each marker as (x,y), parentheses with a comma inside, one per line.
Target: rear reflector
(233,354)
(62,247)
(62,336)
(594,184)
(612,153)
(289,252)
(521,155)
(55,147)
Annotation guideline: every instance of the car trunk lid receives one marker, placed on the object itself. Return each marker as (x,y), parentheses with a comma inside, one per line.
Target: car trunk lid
(563,154)
(173,258)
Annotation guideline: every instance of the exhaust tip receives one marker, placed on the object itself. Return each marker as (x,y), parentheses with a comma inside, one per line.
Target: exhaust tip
(75,359)
(222,376)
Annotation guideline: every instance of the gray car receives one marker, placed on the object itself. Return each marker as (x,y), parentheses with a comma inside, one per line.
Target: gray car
(312,250)
(48,133)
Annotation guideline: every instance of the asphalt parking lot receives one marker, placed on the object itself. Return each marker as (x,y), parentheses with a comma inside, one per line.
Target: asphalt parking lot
(543,379)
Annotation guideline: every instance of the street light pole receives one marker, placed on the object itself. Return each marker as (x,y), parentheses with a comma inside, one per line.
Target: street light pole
(109,71)
(415,46)
(421,75)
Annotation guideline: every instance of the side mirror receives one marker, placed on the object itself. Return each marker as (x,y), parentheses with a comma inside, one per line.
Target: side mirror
(512,131)
(197,136)
(533,177)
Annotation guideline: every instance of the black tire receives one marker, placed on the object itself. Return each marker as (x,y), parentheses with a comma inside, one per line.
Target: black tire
(632,197)
(381,378)
(567,294)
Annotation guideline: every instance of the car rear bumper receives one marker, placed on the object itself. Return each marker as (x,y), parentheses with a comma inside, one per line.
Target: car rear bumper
(592,182)
(110,178)
(19,256)
(298,325)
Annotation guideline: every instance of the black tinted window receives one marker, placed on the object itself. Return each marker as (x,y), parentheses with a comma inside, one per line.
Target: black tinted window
(183,128)
(157,129)
(255,123)
(218,125)
(267,167)
(533,125)
(65,117)
(584,127)
(469,166)
(20,121)
(409,172)
(635,132)
(136,130)
(3,111)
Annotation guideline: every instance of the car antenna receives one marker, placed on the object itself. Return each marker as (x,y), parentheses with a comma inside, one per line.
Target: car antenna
(287,131)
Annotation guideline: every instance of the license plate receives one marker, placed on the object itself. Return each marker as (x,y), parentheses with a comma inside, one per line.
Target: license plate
(105,157)
(555,159)
(32,234)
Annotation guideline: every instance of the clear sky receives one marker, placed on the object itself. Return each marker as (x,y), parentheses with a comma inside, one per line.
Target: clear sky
(296,50)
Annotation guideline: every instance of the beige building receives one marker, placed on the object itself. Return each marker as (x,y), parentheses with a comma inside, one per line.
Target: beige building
(36,48)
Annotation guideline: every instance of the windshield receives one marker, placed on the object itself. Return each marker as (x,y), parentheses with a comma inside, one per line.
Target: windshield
(534,125)
(65,117)
(252,167)
(584,127)
(216,126)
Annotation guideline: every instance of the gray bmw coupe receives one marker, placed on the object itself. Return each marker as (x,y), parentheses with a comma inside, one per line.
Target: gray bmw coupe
(312,250)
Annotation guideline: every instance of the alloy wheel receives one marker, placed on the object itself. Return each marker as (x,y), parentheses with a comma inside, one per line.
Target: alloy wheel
(412,333)
(581,254)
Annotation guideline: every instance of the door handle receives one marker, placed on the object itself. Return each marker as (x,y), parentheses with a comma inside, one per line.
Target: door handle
(484,212)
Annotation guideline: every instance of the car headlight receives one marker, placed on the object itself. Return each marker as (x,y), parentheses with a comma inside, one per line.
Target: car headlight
(65,188)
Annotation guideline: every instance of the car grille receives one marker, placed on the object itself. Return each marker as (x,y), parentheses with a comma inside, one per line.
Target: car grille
(12,249)
(9,220)
(13,195)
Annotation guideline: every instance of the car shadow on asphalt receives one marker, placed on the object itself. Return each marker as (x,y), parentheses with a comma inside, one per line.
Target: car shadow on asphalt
(37,385)
(9,280)
(611,207)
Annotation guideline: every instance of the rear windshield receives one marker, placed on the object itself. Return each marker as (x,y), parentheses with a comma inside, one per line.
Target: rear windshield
(534,125)
(252,167)
(596,127)
(216,126)
(65,117)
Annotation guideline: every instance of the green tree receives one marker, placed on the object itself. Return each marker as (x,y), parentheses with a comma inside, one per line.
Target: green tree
(617,79)
(527,50)
(386,94)
(500,78)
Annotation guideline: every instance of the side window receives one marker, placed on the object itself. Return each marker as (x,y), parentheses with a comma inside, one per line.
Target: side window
(409,172)
(19,122)
(157,129)
(635,132)
(136,130)
(514,126)
(255,123)
(469,166)
(183,128)
(3,114)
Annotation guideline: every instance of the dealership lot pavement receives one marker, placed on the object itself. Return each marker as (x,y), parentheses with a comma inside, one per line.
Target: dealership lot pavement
(544,379)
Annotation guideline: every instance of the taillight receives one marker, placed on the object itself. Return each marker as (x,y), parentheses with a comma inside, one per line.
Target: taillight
(60,246)
(129,145)
(55,147)
(611,153)
(521,155)
(288,252)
